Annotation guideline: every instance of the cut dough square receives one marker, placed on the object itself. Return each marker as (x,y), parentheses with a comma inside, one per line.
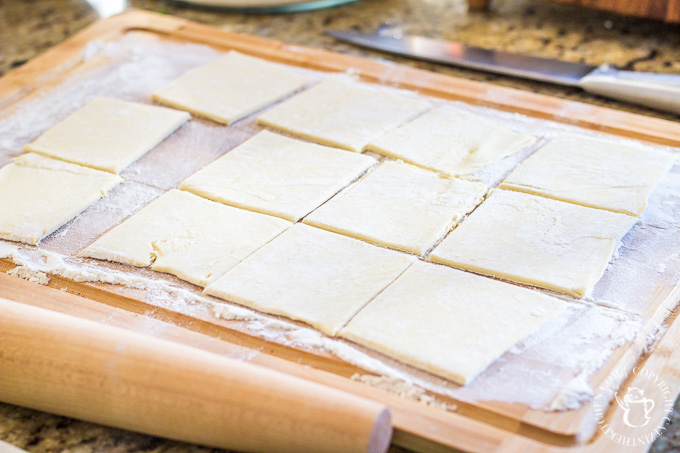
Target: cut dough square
(535,240)
(182,234)
(277,175)
(450,141)
(311,275)
(399,206)
(448,322)
(230,88)
(39,194)
(592,172)
(341,113)
(108,134)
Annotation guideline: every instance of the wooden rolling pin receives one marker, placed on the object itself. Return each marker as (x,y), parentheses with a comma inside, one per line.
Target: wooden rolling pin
(82,369)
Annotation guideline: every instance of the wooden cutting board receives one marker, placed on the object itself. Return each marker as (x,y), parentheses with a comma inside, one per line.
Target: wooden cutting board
(473,427)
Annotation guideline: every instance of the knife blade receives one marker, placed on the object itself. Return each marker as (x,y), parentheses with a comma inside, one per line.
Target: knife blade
(660,91)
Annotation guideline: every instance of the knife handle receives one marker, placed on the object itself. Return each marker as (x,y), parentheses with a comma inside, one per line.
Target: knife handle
(658,91)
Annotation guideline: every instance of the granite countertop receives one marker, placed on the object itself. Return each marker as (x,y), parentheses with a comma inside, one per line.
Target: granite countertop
(29,27)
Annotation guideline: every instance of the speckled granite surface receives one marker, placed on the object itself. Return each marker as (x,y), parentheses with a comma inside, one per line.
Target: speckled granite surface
(543,29)
(29,27)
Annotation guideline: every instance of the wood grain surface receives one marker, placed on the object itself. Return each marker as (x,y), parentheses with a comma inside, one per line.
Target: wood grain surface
(474,427)
(666,10)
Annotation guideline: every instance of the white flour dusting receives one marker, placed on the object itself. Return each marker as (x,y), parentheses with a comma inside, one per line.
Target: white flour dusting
(573,394)
(550,370)
(403,389)
(29,274)
(7,249)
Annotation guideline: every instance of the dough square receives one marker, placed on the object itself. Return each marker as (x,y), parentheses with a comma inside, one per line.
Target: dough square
(450,141)
(535,240)
(399,206)
(592,172)
(311,275)
(451,323)
(120,203)
(341,113)
(277,175)
(182,234)
(108,134)
(39,194)
(230,88)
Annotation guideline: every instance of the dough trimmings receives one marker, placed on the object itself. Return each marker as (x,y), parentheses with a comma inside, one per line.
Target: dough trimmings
(108,134)
(277,175)
(592,172)
(39,194)
(450,141)
(448,322)
(535,240)
(311,275)
(343,114)
(182,234)
(230,88)
(399,206)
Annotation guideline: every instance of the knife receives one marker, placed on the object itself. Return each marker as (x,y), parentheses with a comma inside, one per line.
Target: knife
(659,91)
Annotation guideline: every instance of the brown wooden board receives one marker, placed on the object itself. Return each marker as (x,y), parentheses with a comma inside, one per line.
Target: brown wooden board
(666,10)
(473,427)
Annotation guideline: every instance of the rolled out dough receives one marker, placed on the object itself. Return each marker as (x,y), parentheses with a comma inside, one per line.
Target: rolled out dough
(39,194)
(230,88)
(448,322)
(399,206)
(311,275)
(535,240)
(592,172)
(182,234)
(450,141)
(341,113)
(108,134)
(277,175)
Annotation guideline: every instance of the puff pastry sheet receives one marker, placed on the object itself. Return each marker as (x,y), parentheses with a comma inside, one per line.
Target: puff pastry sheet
(195,239)
(39,194)
(535,240)
(592,172)
(277,175)
(448,322)
(311,275)
(399,206)
(108,134)
(450,141)
(230,88)
(341,113)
